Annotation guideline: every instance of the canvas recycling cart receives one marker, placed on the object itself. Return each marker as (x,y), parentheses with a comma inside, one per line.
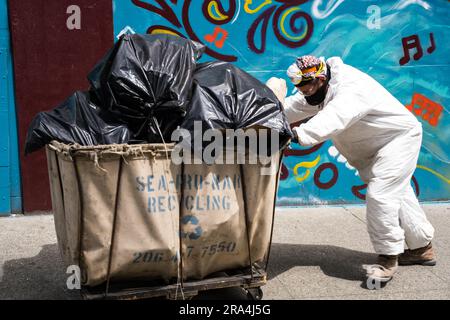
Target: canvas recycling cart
(139,226)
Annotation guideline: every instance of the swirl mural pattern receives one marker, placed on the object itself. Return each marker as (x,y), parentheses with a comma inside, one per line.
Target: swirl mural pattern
(215,13)
(285,20)
(264,36)
(292,26)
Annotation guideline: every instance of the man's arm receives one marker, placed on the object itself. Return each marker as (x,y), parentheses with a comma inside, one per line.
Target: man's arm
(345,109)
(295,110)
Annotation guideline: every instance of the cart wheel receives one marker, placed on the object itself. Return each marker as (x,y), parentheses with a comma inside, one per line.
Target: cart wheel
(254,293)
(186,296)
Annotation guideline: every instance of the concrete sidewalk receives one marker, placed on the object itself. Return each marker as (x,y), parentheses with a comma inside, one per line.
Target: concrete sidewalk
(317,253)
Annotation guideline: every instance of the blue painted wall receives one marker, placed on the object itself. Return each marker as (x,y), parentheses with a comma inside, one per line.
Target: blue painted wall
(10,193)
(264,36)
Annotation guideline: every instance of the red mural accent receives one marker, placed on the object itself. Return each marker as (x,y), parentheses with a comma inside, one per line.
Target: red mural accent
(427,109)
(218,32)
(302,152)
(433,45)
(284,172)
(264,19)
(416,186)
(356,191)
(413,42)
(193,36)
(318,173)
(164,10)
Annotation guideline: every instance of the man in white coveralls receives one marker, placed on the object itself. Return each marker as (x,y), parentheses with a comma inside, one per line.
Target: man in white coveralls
(379,137)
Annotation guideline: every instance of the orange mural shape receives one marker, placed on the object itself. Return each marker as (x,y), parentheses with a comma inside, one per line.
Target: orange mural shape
(220,33)
(426,108)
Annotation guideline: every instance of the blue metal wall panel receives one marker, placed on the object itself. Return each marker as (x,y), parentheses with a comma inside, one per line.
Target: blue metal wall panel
(14,165)
(3,15)
(5,206)
(10,191)
(4,142)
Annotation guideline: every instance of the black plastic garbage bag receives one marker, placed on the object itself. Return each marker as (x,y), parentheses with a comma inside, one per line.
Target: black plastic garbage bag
(76,120)
(226,97)
(145,79)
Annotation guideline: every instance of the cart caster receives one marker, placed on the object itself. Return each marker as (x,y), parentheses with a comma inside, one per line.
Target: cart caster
(185,296)
(254,293)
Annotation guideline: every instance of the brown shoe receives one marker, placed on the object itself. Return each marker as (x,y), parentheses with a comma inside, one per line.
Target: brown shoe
(424,256)
(384,270)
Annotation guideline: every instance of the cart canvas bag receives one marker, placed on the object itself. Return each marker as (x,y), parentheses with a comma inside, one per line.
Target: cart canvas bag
(116,210)
(126,212)
(260,182)
(145,240)
(213,226)
(226,215)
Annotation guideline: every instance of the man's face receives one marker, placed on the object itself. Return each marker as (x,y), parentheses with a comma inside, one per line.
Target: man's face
(311,88)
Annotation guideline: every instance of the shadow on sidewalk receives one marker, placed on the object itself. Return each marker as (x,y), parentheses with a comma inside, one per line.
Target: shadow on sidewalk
(334,261)
(36,278)
(43,277)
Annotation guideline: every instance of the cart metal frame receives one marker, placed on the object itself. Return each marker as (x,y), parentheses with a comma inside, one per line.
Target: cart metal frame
(249,280)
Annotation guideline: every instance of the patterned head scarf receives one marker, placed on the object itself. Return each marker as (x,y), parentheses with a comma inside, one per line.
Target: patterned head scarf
(305,69)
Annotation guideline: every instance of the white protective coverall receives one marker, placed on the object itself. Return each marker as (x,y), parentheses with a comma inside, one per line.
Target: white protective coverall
(381,139)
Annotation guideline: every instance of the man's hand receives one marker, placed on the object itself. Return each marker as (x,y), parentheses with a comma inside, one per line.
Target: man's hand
(295,138)
(278,86)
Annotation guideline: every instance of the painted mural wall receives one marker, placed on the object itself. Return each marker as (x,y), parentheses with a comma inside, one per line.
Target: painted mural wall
(401,43)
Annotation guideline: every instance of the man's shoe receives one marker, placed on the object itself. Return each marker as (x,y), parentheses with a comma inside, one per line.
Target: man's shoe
(384,270)
(424,256)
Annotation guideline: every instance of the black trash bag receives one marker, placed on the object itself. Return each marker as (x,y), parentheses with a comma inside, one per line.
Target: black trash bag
(147,79)
(226,97)
(76,120)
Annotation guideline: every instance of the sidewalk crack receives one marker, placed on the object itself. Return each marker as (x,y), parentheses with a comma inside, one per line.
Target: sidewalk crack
(354,215)
(284,287)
